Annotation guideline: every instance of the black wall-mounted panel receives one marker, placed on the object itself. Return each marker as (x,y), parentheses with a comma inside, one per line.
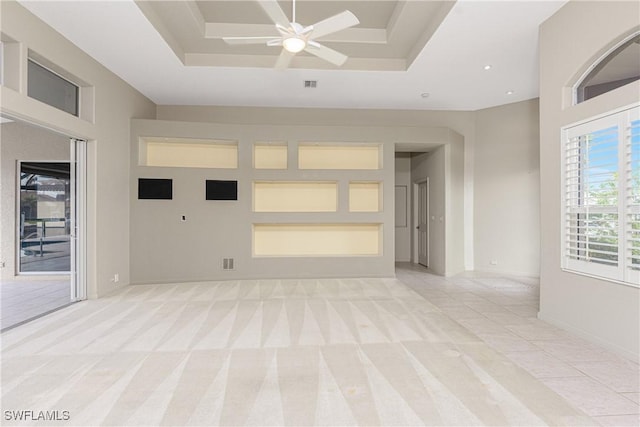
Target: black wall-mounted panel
(152,188)
(222,190)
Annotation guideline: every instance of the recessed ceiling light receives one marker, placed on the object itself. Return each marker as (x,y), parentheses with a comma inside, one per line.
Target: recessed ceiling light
(509,92)
(425,94)
(487,67)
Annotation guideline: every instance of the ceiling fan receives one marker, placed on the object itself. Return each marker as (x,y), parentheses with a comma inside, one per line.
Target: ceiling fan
(295,37)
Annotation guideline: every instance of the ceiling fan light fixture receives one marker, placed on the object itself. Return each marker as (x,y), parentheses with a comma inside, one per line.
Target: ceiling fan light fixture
(294,44)
(294,38)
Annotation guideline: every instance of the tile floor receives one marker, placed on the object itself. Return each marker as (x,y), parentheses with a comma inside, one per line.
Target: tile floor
(415,350)
(503,313)
(23,300)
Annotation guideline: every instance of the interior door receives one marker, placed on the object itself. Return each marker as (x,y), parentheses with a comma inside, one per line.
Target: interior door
(423,224)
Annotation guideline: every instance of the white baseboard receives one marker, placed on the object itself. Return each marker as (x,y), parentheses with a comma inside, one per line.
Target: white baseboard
(591,338)
(497,272)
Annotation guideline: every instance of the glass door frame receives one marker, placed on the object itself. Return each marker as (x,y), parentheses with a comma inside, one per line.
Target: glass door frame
(77,241)
(78,286)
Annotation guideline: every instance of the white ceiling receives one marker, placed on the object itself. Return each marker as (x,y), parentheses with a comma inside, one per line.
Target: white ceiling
(475,33)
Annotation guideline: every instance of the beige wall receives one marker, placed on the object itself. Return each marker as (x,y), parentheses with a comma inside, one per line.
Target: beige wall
(164,248)
(507,189)
(461,122)
(462,182)
(570,41)
(107,130)
(454,204)
(19,141)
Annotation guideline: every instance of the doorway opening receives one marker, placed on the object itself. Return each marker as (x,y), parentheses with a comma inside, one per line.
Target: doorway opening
(43,239)
(412,203)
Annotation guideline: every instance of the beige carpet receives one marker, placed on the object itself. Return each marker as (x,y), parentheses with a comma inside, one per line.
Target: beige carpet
(269,352)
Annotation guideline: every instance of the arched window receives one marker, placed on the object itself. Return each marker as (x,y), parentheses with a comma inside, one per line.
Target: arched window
(620,66)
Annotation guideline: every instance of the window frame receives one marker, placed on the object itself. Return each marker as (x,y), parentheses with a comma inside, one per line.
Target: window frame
(622,273)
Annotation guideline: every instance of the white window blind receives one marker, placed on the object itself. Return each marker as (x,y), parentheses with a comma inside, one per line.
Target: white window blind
(601,209)
(632,149)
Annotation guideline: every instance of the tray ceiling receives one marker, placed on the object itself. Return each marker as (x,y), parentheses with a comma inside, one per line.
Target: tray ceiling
(448,73)
(389,37)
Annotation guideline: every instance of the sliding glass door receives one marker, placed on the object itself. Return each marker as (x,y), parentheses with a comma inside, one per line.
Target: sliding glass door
(45,217)
(43,190)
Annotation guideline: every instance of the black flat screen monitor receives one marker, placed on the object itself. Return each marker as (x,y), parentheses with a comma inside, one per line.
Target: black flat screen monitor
(222,190)
(155,189)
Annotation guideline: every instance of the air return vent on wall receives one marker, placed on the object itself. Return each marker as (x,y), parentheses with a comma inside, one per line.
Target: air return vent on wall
(228,264)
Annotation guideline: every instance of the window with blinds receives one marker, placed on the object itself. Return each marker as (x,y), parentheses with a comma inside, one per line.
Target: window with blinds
(601,233)
(633,197)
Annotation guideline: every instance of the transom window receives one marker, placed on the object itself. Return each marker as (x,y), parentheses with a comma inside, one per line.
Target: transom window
(601,234)
(619,67)
(48,87)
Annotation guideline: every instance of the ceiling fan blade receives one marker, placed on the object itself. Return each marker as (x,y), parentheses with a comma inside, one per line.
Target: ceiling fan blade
(285,31)
(249,40)
(284,59)
(335,23)
(275,12)
(327,54)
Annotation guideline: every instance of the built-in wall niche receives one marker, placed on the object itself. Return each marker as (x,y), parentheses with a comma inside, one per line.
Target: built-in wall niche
(295,196)
(188,153)
(365,196)
(270,155)
(339,156)
(316,240)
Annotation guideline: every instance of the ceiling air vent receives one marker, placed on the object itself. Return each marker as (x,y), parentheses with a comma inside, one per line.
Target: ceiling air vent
(310,83)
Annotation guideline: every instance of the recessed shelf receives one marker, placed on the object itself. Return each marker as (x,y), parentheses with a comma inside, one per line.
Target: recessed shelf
(295,196)
(270,156)
(188,153)
(365,196)
(337,156)
(312,240)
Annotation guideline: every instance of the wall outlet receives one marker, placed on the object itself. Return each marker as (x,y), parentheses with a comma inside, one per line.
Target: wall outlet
(183,218)
(115,278)
(493,262)
(2,264)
